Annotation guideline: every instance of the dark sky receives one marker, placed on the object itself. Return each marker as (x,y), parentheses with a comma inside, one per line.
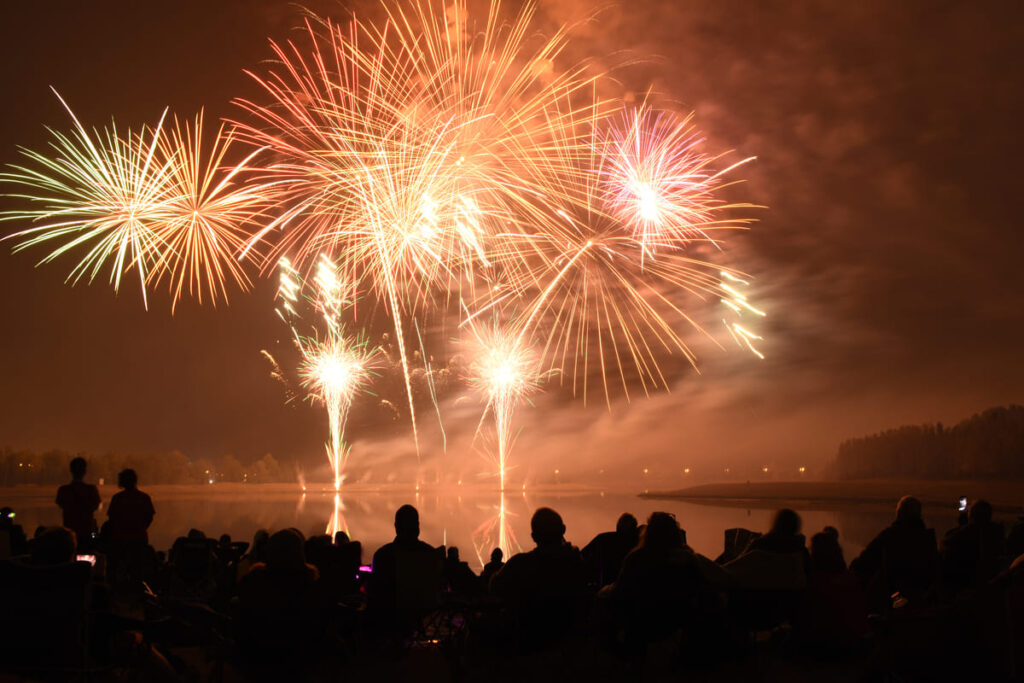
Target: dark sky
(888,145)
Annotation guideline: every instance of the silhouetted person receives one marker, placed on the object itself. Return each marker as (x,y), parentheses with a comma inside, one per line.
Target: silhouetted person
(255,554)
(407,547)
(971,553)
(604,554)
(131,511)
(281,611)
(458,576)
(784,537)
(901,559)
(826,553)
(492,567)
(348,556)
(838,616)
(658,587)
(12,536)
(129,515)
(42,601)
(78,501)
(56,545)
(545,588)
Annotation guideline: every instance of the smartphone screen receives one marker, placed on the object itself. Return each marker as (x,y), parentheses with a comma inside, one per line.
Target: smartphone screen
(91,559)
(962,506)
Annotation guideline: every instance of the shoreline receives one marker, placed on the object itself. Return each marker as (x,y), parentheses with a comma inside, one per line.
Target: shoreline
(1005,496)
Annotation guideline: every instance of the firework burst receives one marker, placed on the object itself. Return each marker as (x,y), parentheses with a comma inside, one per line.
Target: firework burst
(156,203)
(505,373)
(334,371)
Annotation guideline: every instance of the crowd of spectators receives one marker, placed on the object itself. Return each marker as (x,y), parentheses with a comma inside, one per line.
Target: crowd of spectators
(82,598)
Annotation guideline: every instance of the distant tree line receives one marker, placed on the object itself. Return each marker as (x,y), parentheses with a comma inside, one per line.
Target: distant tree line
(174,467)
(986,445)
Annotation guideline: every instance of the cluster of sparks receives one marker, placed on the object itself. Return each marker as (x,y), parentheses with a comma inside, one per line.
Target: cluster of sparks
(427,166)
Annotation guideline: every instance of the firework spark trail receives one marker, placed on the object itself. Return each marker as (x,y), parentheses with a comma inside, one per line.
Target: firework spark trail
(505,373)
(657,181)
(161,204)
(100,191)
(337,521)
(209,208)
(411,165)
(606,291)
(400,148)
(336,368)
(496,532)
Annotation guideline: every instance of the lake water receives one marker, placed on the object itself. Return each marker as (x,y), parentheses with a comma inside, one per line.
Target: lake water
(474,520)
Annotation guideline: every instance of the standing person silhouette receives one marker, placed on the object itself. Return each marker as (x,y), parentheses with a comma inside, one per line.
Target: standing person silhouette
(78,501)
(131,512)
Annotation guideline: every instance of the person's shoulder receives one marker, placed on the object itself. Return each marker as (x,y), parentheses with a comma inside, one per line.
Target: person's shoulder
(385,551)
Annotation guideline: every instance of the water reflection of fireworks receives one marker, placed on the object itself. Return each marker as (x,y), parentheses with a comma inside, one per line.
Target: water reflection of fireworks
(496,532)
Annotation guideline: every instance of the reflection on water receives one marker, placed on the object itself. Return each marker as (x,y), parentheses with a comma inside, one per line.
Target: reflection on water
(496,531)
(474,520)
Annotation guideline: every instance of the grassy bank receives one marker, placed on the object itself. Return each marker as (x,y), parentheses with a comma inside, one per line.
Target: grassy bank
(1006,496)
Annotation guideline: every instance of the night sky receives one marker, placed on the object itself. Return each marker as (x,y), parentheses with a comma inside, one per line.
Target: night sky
(888,257)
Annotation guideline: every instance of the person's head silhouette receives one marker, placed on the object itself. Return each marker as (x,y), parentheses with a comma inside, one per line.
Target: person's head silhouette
(497,555)
(980,512)
(786,523)
(77,467)
(547,528)
(127,479)
(626,525)
(908,509)
(407,523)
(662,532)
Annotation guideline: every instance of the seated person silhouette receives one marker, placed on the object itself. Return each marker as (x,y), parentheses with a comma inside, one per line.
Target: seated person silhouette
(605,553)
(902,558)
(459,578)
(784,538)
(12,536)
(492,568)
(545,589)
(44,603)
(838,617)
(281,611)
(657,590)
(971,553)
(78,501)
(405,581)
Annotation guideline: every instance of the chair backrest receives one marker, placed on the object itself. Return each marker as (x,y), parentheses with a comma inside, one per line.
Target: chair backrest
(418,581)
